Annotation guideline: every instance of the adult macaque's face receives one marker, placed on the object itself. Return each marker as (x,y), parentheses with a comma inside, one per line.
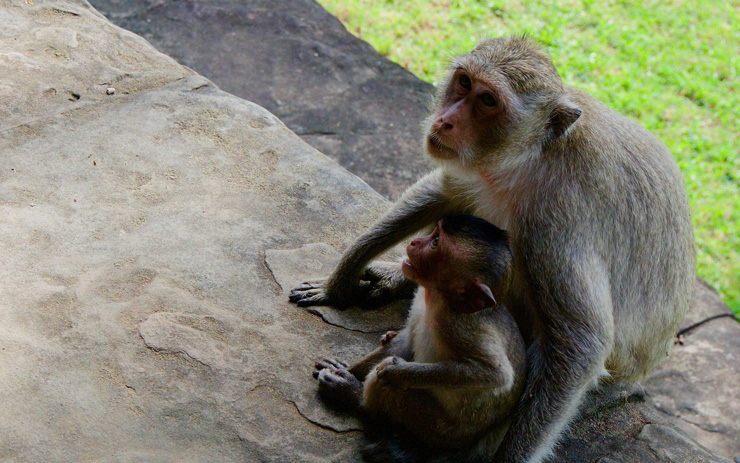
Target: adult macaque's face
(469,120)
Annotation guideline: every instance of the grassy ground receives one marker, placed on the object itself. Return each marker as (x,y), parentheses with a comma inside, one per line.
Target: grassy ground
(671,65)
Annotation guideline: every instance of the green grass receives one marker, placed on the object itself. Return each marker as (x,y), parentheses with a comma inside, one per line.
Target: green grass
(671,65)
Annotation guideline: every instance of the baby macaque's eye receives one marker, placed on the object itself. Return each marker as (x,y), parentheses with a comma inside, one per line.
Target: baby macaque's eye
(435,242)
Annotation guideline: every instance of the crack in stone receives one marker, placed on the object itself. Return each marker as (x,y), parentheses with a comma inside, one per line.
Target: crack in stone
(172,351)
(267,264)
(322,425)
(700,426)
(61,10)
(356,330)
(317,133)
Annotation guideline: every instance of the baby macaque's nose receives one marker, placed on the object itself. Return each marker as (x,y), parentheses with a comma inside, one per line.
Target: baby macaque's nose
(414,244)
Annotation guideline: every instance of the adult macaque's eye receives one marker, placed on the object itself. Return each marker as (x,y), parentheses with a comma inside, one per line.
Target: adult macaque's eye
(435,242)
(488,100)
(465,82)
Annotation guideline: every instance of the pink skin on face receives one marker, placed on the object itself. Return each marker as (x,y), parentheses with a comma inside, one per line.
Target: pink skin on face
(434,263)
(471,103)
(419,251)
(430,260)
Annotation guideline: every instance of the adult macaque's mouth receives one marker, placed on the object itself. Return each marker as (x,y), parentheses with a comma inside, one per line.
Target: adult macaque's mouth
(439,150)
(437,142)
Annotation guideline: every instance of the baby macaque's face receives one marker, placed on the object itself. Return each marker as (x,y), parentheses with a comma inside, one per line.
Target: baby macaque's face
(436,261)
(446,264)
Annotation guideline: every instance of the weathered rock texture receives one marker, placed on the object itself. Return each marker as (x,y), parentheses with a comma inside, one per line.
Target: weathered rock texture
(298,61)
(149,238)
(138,320)
(618,427)
(699,386)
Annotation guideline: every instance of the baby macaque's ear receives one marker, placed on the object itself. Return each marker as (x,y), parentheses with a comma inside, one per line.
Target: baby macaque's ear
(477,296)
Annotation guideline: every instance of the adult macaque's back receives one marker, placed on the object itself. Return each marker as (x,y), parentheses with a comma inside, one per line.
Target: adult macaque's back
(598,219)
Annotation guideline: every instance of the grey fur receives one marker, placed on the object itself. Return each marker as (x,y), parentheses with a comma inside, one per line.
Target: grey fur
(600,227)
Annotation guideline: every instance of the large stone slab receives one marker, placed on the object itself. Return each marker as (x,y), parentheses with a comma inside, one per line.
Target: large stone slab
(149,238)
(295,59)
(298,61)
(138,320)
(699,386)
(617,426)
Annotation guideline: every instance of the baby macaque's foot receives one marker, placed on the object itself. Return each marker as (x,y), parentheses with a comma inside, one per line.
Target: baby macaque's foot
(388,337)
(340,388)
(330,364)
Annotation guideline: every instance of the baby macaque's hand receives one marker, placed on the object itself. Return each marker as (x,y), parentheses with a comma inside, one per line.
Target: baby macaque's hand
(388,337)
(387,366)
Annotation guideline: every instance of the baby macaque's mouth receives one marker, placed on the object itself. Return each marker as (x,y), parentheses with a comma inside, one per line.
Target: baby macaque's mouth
(408,269)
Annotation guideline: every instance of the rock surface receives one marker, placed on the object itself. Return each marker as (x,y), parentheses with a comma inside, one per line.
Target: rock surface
(256,50)
(699,385)
(618,427)
(149,237)
(138,320)
(296,60)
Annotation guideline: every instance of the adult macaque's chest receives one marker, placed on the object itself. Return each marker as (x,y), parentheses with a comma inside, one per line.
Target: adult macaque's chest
(484,197)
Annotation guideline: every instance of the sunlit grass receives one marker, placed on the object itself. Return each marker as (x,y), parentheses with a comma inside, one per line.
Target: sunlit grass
(671,65)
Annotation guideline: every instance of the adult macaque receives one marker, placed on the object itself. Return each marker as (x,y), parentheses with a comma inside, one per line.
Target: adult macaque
(455,372)
(598,218)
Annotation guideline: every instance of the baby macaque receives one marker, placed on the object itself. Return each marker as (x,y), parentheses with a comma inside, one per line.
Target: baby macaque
(455,372)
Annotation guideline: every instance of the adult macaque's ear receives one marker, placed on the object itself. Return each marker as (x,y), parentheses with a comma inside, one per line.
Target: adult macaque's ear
(477,296)
(563,114)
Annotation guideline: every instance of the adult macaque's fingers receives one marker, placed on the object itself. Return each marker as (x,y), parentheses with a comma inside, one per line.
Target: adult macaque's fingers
(319,299)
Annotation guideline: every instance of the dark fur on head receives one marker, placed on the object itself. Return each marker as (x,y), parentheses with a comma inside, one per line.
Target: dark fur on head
(492,257)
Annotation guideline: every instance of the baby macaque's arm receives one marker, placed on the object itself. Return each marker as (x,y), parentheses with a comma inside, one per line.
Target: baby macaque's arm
(392,344)
(498,373)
